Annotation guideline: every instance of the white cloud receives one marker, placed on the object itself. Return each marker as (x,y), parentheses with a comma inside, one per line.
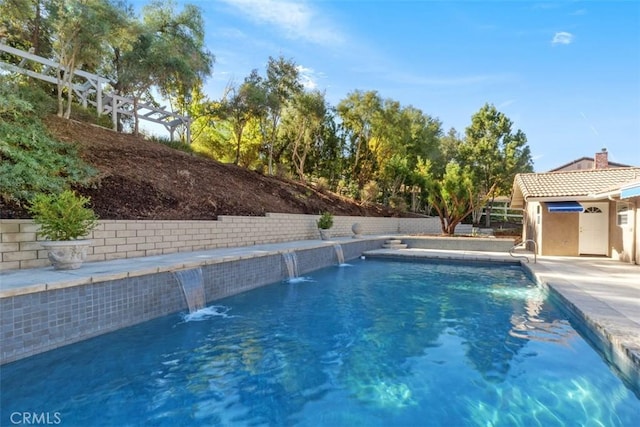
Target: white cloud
(562,37)
(309,77)
(506,103)
(294,19)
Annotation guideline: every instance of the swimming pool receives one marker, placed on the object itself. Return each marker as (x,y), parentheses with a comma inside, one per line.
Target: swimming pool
(379,343)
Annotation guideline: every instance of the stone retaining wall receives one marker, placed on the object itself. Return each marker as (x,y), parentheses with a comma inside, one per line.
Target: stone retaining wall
(19,247)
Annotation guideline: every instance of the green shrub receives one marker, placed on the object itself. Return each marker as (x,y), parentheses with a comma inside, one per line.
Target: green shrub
(62,216)
(370,191)
(176,145)
(41,103)
(398,203)
(325,221)
(90,115)
(322,184)
(31,161)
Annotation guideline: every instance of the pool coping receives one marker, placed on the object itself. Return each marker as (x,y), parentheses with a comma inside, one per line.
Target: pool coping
(22,282)
(609,329)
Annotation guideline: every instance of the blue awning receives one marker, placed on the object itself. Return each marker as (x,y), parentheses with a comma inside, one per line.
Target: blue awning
(630,191)
(564,207)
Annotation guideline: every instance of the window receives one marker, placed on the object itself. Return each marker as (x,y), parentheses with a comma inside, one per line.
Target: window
(623,215)
(593,209)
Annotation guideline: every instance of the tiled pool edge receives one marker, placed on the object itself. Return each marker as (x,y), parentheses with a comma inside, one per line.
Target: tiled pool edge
(42,317)
(608,330)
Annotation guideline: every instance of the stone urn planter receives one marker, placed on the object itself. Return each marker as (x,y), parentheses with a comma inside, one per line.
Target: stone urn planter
(325,234)
(64,219)
(324,223)
(66,254)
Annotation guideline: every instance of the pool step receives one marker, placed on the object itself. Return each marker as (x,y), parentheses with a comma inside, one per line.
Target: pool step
(394,244)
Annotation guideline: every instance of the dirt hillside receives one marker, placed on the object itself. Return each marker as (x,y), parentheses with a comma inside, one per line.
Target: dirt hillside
(140,179)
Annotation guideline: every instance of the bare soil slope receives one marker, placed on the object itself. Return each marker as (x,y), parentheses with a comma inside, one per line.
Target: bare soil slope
(140,179)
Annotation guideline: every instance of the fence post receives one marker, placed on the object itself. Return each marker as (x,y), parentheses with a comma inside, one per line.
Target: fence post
(114,112)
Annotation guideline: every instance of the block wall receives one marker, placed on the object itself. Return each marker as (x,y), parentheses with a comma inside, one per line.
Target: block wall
(20,249)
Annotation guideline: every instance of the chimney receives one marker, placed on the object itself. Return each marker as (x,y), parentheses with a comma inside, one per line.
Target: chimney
(601,160)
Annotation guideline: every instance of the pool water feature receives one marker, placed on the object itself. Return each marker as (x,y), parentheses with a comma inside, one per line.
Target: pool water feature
(291,262)
(380,344)
(339,253)
(192,285)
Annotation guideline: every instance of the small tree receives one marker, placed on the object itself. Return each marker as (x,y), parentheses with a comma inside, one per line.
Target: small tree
(453,195)
(494,153)
(169,54)
(62,216)
(82,29)
(280,85)
(239,105)
(325,221)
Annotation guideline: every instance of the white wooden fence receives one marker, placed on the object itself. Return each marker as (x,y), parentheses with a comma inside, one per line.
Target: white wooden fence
(89,89)
(501,211)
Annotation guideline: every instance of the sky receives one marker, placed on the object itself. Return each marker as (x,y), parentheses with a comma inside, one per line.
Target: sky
(567,73)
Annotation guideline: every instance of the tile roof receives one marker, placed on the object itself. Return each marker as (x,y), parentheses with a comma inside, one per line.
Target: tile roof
(615,189)
(578,183)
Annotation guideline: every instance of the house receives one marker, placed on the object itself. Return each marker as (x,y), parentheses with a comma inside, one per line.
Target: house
(599,161)
(582,212)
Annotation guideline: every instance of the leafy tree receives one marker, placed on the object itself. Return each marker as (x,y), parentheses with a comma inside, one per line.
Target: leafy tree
(425,134)
(494,153)
(239,105)
(401,136)
(452,195)
(327,156)
(394,174)
(81,28)
(302,124)
(358,112)
(25,26)
(448,149)
(169,54)
(280,85)
(388,145)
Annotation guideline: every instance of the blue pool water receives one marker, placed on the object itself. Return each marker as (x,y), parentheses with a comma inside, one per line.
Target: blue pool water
(378,343)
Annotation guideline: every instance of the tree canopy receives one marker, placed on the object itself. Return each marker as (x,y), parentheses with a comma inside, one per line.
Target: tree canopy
(368,147)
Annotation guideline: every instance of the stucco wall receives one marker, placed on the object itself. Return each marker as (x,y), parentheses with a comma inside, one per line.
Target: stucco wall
(618,236)
(623,238)
(558,233)
(636,202)
(531,229)
(19,246)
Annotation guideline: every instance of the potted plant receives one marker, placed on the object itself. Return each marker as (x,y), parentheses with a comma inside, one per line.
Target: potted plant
(325,222)
(64,219)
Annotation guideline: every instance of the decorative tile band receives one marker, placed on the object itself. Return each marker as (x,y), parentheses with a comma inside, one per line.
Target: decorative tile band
(35,322)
